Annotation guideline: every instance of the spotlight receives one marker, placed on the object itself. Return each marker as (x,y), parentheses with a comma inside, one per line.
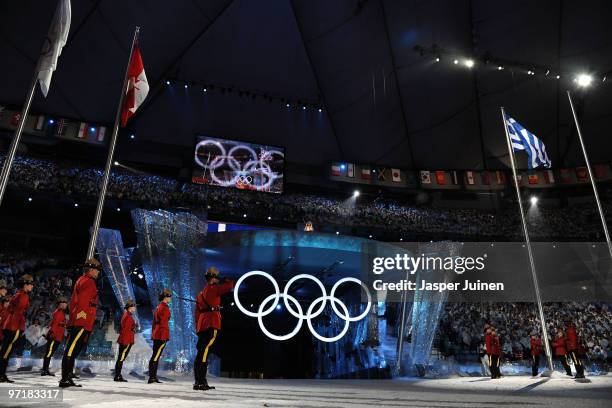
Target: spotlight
(93,129)
(167,82)
(529,72)
(342,166)
(288,105)
(243,215)
(118,209)
(337,232)
(534,200)
(205,90)
(51,121)
(140,276)
(132,136)
(30,199)
(278,307)
(469,63)
(76,205)
(186,86)
(558,77)
(356,193)
(321,110)
(269,218)
(116,163)
(304,107)
(370,236)
(500,68)
(401,239)
(455,62)
(437,59)
(584,80)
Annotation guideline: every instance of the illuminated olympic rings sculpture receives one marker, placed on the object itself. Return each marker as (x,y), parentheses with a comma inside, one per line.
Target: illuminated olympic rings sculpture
(240,173)
(294,307)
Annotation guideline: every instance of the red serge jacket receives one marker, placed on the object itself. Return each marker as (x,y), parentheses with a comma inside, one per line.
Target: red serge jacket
(84,303)
(128,328)
(15,318)
(161,317)
(559,346)
(536,347)
(57,326)
(207,314)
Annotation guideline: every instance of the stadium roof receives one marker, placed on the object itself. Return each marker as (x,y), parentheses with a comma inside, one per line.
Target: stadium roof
(383,100)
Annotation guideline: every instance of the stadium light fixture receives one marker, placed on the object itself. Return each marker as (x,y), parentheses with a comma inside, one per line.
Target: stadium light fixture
(116,163)
(76,205)
(243,215)
(205,90)
(456,61)
(342,166)
(356,193)
(30,199)
(321,110)
(469,63)
(558,77)
(269,218)
(118,209)
(534,200)
(51,121)
(500,68)
(167,82)
(288,105)
(584,80)
(132,136)
(437,59)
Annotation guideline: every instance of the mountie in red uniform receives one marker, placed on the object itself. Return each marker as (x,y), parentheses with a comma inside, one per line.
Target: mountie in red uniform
(57,326)
(55,336)
(160,334)
(125,340)
(128,328)
(84,303)
(208,302)
(4,312)
(15,319)
(573,344)
(494,351)
(208,323)
(561,353)
(536,350)
(161,318)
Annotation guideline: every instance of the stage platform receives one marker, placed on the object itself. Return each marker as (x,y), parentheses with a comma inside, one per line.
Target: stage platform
(102,392)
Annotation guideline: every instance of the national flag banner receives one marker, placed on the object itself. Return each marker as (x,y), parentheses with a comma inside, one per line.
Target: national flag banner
(549,177)
(60,129)
(382,174)
(486,178)
(523,140)
(440,177)
(82,134)
(137,86)
(454,177)
(335,170)
(40,123)
(54,42)
(425,177)
(15,118)
(396,175)
(500,177)
(600,171)
(566,176)
(101,133)
(366,174)
(533,178)
(350,170)
(582,173)
(469,178)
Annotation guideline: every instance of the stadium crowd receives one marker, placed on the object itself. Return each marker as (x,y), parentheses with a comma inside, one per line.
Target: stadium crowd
(576,222)
(461,327)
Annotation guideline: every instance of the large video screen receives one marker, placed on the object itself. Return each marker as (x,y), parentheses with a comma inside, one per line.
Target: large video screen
(246,166)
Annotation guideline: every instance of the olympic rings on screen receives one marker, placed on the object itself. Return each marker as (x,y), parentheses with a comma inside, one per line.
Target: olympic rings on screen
(240,173)
(295,309)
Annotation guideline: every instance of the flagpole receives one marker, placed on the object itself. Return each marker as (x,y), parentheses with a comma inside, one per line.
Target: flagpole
(109,160)
(588,165)
(528,243)
(10,157)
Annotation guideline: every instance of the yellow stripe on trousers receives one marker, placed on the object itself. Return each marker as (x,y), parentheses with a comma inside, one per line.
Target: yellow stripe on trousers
(77,337)
(209,344)
(50,353)
(159,351)
(10,346)
(125,352)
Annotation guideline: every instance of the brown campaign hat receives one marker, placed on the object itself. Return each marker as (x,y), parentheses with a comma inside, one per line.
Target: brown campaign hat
(130,303)
(62,299)
(27,278)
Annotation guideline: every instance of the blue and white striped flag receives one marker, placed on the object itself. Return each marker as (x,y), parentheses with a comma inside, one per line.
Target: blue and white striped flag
(524,140)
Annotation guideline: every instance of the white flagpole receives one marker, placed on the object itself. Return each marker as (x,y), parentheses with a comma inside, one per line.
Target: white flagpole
(10,157)
(109,160)
(588,165)
(528,244)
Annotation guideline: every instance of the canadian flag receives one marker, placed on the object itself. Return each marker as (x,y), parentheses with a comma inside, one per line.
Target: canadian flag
(365,174)
(469,176)
(335,170)
(137,86)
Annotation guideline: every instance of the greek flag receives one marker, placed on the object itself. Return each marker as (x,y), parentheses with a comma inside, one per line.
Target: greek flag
(524,140)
